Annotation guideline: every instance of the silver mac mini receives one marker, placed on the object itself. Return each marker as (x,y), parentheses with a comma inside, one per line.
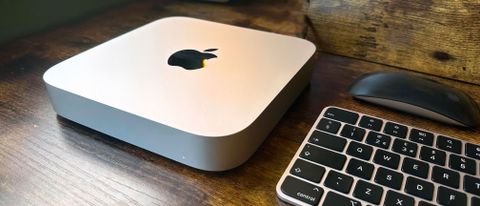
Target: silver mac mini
(201,93)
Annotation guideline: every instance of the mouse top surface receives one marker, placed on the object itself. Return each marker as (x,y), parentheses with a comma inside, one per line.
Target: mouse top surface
(419,96)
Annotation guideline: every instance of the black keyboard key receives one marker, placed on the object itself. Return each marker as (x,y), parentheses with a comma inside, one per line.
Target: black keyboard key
(475,201)
(389,178)
(378,140)
(449,144)
(386,159)
(368,192)
(446,177)
(397,199)
(415,167)
(462,164)
(301,190)
(327,125)
(307,170)
(323,156)
(341,115)
(448,197)
(423,203)
(360,169)
(473,151)
(339,200)
(395,130)
(352,132)
(371,123)
(359,150)
(421,137)
(327,140)
(471,185)
(338,182)
(405,147)
(419,188)
(433,155)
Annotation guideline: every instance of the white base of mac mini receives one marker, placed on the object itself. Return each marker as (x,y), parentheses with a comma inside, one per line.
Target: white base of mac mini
(201,93)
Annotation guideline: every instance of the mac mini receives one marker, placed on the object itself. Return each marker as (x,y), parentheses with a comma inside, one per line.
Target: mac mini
(201,93)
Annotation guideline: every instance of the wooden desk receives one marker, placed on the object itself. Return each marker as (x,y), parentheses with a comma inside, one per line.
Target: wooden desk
(47,160)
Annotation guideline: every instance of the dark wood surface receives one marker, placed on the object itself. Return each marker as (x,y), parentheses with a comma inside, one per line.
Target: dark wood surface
(436,37)
(47,160)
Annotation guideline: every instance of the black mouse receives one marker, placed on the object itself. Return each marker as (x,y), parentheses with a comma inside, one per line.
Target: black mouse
(419,96)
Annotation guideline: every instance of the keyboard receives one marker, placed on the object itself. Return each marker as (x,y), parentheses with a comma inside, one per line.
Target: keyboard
(352,159)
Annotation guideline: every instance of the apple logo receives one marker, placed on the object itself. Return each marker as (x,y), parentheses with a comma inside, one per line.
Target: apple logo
(191,59)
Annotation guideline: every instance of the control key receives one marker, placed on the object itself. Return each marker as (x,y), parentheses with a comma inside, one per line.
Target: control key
(301,190)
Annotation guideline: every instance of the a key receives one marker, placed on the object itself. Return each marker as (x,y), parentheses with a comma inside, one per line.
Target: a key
(352,132)
(389,178)
(338,182)
(472,185)
(360,169)
(472,151)
(359,150)
(421,137)
(378,140)
(433,155)
(341,115)
(395,130)
(327,125)
(475,201)
(423,203)
(450,197)
(386,159)
(445,177)
(405,147)
(327,140)
(462,164)
(449,144)
(371,123)
(339,200)
(307,170)
(301,190)
(368,192)
(415,167)
(397,199)
(419,188)
(323,156)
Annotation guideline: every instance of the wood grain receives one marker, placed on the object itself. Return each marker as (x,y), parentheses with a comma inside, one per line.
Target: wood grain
(432,36)
(47,160)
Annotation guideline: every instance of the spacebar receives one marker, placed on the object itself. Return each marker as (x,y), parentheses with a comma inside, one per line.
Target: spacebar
(323,156)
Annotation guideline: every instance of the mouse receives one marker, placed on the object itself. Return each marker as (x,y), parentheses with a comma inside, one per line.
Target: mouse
(419,96)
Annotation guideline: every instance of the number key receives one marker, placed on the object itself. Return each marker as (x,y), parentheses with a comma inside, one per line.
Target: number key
(405,147)
(433,155)
(473,151)
(449,144)
(352,132)
(378,140)
(462,164)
